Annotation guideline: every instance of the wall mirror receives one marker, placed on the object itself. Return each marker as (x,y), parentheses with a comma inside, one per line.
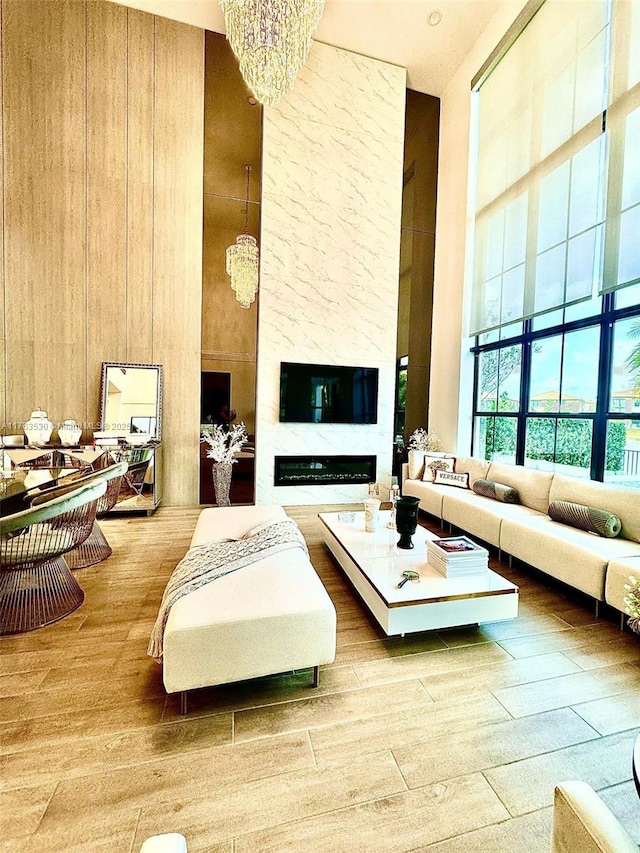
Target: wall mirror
(131,399)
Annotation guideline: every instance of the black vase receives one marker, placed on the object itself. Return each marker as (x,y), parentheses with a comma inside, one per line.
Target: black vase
(406,520)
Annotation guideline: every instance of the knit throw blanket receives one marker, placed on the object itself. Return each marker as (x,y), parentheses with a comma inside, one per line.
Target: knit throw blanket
(205,563)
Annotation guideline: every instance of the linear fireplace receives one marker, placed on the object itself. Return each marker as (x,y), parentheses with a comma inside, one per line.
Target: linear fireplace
(324,470)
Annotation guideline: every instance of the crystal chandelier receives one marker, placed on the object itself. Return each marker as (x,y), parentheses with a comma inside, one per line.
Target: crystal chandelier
(272,40)
(243,260)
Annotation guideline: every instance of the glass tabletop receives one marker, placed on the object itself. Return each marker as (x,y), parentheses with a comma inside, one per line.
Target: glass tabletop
(17,483)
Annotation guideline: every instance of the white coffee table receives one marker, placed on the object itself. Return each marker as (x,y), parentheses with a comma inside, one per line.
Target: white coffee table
(374,565)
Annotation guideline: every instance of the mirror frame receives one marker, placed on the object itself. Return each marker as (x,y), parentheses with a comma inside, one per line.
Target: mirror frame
(128,364)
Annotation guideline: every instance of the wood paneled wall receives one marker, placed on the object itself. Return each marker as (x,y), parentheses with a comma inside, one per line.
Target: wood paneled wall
(101,250)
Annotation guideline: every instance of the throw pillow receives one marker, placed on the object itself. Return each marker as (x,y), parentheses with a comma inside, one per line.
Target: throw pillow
(450,478)
(496,491)
(433,465)
(416,460)
(585,518)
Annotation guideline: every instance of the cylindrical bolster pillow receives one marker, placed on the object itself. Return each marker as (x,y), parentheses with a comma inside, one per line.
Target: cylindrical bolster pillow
(585,518)
(496,491)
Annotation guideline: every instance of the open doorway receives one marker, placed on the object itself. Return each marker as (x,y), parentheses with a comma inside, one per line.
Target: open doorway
(215,397)
(215,392)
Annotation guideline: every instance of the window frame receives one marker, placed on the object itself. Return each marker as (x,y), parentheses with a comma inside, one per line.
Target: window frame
(602,415)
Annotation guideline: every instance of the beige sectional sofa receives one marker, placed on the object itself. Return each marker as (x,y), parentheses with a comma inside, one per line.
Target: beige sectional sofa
(593,564)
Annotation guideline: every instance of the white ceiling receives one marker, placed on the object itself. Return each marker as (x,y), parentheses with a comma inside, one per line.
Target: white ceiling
(395,31)
(398,31)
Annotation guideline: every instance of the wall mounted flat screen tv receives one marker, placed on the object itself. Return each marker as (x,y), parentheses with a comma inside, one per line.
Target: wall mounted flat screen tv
(328,394)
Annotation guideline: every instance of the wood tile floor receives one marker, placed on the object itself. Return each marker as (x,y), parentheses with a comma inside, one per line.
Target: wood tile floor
(442,742)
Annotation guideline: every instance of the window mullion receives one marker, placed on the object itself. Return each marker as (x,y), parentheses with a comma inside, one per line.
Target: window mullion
(599,448)
(525,386)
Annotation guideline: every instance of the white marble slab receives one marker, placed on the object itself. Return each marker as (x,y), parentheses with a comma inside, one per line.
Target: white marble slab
(323,240)
(315,325)
(312,495)
(344,89)
(330,164)
(330,242)
(326,439)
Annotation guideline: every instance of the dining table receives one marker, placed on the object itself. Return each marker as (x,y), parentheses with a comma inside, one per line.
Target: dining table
(29,457)
(20,483)
(25,470)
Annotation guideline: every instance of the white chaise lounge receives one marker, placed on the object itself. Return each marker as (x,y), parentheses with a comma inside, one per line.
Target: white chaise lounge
(272,616)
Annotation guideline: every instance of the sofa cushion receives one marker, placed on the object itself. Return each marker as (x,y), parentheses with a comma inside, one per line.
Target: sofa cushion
(430,495)
(585,518)
(532,485)
(496,491)
(476,468)
(228,523)
(618,573)
(619,500)
(573,556)
(478,516)
(416,464)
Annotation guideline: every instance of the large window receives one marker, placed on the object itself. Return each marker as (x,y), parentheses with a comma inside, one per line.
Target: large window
(565,398)
(556,273)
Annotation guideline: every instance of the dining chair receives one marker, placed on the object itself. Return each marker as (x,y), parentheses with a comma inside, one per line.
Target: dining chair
(95,548)
(135,476)
(36,585)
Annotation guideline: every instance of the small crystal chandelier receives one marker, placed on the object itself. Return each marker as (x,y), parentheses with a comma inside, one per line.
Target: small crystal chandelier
(243,260)
(272,40)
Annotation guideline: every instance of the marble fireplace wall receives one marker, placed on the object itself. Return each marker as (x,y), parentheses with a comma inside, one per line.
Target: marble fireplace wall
(330,236)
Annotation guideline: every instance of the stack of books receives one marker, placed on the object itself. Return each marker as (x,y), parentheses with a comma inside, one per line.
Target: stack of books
(457,556)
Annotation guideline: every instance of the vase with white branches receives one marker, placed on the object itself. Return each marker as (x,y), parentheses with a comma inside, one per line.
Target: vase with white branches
(420,439)
(223,445)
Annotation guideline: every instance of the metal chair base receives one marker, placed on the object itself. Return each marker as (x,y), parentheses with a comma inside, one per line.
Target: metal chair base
(93,550)
(35,597)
